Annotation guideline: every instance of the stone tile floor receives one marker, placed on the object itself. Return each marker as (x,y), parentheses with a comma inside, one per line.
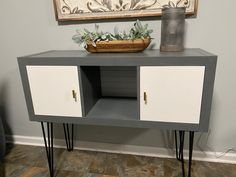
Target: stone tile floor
(30,161)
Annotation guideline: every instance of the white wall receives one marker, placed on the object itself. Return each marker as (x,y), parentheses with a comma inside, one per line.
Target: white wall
(29,26)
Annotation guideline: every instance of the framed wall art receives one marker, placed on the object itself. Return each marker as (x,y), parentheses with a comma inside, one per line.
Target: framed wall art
(107,9)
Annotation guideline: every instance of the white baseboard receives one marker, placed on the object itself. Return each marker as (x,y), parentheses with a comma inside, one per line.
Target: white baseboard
(124,149)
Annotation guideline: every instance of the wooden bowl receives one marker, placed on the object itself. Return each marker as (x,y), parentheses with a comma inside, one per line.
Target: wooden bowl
(136,45)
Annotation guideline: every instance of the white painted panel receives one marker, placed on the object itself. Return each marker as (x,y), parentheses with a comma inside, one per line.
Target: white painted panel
(174,93)
(51,90)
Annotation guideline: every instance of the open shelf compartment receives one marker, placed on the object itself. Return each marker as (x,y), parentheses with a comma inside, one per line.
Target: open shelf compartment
(110,92)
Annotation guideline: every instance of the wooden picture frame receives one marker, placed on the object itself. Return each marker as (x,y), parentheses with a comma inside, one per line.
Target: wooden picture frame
(67,10)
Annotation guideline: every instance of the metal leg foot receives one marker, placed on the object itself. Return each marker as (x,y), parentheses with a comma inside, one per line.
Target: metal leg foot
(49,146)
(69,136)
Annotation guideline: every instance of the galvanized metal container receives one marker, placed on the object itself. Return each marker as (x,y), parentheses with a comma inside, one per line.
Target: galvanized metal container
(172,29)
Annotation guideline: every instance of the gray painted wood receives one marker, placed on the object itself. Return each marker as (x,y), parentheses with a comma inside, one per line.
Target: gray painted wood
(190,57)
(91,86)
(207,94)
(114,108)
(147,58)
(81,91)
(119,81)
(117,123)
(146,53)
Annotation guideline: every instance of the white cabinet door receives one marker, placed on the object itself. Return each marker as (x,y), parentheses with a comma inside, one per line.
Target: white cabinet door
(52,90)
(173,93)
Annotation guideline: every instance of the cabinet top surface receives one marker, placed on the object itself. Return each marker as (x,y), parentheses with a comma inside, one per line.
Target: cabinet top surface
(145,54)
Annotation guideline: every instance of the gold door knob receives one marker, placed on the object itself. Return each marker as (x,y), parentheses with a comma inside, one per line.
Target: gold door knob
(145,97)
(74,95)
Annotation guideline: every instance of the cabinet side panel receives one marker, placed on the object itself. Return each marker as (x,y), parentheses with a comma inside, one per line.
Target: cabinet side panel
(51,90)
(208,93)
(91,86)
(173,93)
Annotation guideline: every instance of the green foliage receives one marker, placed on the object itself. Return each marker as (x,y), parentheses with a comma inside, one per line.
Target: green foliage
(138,31)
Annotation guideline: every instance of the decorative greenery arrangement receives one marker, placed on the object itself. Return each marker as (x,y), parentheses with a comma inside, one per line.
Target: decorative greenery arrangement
(138,31)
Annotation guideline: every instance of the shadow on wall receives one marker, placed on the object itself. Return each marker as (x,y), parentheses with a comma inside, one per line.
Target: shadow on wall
(3,108)
(122,136)
(3,127)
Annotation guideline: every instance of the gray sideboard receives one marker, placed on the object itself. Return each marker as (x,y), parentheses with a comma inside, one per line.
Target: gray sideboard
(170,90)
(110,88)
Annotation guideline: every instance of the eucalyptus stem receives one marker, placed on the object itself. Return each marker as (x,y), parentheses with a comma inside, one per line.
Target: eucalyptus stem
(138,31)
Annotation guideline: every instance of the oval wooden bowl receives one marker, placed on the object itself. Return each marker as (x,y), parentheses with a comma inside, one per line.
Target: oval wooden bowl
(136,45)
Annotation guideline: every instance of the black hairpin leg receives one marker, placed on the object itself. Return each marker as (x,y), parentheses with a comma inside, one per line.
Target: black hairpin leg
(49,146)
(69,136)
(191,140)
(180,150)
(181,139)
